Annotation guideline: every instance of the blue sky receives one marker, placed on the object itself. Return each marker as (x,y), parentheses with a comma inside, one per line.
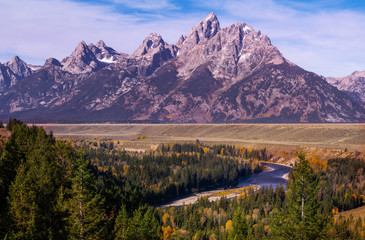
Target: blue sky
(326,37)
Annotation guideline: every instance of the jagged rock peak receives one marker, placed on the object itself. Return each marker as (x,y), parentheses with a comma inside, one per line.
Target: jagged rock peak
(81,47)
(82,51)
(52,62)
(104,49)
(181,40)
(101,44)
(18,67)
(105,53)
(206,29)
(15,61)
(81,60)
(152,41)
(211,17)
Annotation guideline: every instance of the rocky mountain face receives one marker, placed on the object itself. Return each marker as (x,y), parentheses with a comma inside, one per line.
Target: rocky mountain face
(105,54)
(212,75)
(152,54)
(353,85)
(13,71)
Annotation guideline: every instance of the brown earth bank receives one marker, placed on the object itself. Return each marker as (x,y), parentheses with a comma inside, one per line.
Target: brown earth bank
(4,134)
(356,213)
(282,141)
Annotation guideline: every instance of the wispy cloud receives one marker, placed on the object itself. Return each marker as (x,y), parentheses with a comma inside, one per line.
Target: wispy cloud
(147,4)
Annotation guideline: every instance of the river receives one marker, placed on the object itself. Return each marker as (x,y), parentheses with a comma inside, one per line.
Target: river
(275,174)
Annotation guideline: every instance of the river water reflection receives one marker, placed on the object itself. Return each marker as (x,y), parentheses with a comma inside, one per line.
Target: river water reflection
(275,176)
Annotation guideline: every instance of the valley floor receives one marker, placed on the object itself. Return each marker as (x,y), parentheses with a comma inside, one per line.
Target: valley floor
(283,141)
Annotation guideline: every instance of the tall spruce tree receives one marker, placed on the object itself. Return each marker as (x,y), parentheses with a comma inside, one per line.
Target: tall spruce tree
(85,205)
(121,224)
(19,144)
(13,122)
(300,218)
(142,225)
(239,226)
(151,228)
(33,194)
(14,153)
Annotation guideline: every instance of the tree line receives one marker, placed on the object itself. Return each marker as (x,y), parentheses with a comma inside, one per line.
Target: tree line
(165,174)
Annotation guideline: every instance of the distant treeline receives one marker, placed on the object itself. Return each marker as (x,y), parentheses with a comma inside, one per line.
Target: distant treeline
(222,149)
(163,175)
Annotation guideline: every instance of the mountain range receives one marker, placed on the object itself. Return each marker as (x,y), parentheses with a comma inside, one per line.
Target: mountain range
(211,75)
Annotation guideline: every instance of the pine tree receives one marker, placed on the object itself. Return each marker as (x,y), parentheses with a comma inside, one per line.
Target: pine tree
(135,226)
(14,153)
(239,226)
(150,225)
(142,225)
(121,224)
(20,144)
(301,218)
(12,123)
(85,205)
(34,193)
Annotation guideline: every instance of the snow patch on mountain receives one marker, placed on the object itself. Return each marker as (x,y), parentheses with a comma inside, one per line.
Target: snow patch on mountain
(107,60)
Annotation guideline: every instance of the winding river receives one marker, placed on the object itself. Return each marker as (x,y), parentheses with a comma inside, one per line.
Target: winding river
(275,174)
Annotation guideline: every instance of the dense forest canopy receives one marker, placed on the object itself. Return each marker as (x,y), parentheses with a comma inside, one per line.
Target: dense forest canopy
(51,189)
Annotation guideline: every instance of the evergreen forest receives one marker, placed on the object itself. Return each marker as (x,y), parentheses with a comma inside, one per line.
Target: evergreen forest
(55,189)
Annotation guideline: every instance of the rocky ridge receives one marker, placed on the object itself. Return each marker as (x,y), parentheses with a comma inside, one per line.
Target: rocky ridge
(353,85)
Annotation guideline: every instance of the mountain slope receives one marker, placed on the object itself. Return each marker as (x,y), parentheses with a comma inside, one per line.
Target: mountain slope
(213,74)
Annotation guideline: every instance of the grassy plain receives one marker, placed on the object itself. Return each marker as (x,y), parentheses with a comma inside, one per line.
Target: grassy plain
(282,140)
